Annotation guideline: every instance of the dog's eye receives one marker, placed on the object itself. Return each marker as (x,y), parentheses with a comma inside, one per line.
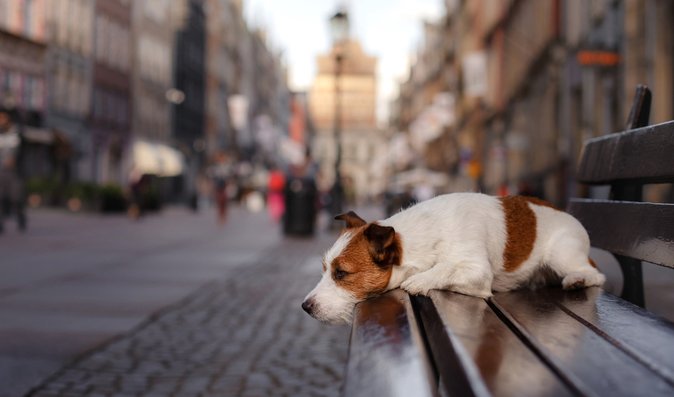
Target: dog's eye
(340,274)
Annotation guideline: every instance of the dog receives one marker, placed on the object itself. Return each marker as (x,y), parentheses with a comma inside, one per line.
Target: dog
(469,243)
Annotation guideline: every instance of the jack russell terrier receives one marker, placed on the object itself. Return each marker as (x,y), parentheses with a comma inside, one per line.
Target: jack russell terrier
(469,243)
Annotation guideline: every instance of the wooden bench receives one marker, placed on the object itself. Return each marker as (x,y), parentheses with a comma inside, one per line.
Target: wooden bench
(545,342)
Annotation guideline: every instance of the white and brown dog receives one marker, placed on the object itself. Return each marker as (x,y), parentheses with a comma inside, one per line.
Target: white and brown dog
(469,243)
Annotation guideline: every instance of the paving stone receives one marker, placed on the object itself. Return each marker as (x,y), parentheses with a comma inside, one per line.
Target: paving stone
(244,335)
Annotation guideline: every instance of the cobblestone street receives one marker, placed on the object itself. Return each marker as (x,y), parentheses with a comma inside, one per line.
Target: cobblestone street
(244,336)
(170,306)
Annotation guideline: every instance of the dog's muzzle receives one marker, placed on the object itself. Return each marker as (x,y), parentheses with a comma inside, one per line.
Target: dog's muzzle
(309,306)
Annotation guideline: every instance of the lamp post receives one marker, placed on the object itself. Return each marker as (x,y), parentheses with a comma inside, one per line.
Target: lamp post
(339,30)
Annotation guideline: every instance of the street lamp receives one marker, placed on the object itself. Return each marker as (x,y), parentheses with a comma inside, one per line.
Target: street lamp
(175,96)
(339,27)
(339,30)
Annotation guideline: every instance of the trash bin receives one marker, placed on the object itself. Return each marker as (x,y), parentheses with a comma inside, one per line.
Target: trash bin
(300,206)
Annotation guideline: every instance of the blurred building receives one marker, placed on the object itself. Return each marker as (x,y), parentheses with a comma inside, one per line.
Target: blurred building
(296,148)
(362,142)
(154,151)
(153,31)
(527,82)
(223,28)
(70,27)
(101,87)
(23,89)
(259,106)
(111,109)
(269,104)
(426,108)
(189,78)
(301,128)
(22,58)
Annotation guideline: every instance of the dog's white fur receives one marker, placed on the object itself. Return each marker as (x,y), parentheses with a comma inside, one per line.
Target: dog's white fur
(456,242)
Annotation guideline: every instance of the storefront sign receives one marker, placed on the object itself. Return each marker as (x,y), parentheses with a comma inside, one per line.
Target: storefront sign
(598,58)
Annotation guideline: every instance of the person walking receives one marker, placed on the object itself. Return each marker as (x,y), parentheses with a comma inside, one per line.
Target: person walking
(275,202)
(220,173)
(11,185)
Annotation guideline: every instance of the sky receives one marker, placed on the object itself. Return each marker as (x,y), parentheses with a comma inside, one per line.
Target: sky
(388,29)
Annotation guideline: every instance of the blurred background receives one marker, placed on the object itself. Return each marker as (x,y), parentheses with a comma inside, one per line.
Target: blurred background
(224,125)
(382,99)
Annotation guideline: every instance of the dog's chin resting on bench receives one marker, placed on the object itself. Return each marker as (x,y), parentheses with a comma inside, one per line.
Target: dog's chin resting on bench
(468,243)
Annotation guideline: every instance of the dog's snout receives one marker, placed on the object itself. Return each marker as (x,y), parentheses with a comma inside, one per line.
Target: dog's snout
(308,306)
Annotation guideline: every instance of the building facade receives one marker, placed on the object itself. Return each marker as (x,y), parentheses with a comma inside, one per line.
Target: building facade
(111,103)
(23,34)
(70,27)
(349,85)
(222,28)
(523,101)
(269,105)
(153,55)
(23,88)
(189,78)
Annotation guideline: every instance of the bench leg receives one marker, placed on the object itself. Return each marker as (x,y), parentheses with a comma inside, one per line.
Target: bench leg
(633,284)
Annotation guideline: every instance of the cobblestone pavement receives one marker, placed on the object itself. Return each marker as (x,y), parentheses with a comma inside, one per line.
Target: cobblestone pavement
(245,335)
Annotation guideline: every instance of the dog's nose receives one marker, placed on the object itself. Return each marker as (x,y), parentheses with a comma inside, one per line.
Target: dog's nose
(308,306)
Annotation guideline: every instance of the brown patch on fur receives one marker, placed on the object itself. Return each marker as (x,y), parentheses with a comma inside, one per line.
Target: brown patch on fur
(592,263)
(521,231)
(366,275)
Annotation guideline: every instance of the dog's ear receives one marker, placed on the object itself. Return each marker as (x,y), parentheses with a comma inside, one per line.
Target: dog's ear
(382,244)
(352,220)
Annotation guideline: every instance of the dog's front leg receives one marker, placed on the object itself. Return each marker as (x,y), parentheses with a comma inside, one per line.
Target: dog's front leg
(469,278)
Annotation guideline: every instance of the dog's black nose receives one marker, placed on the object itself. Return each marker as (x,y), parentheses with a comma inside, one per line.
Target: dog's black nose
(308,306)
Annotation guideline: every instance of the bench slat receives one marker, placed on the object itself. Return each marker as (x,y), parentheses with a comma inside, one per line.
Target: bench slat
(643,155)
(584,356)
(638,230)
(387,356)
(641,334)
(492,358)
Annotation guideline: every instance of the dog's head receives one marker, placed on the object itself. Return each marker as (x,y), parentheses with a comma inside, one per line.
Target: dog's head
(356,267)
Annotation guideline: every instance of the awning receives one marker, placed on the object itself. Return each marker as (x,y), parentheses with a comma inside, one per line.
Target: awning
(157,159)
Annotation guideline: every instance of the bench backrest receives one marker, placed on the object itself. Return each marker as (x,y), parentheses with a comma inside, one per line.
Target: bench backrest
(632,230)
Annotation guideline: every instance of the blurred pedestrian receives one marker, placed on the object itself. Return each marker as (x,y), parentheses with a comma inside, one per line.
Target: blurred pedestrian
(220,173)
(11,184)
(221,199)
(275,201)
(135,193)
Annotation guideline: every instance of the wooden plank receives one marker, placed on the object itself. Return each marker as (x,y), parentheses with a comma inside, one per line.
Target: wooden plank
(642,155)
(387,356)
(641,108)
(585,357)
(638,230)
(477,354)
(644,336)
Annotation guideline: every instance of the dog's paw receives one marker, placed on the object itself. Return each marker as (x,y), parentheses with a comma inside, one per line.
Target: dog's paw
(583,280)
(417,285)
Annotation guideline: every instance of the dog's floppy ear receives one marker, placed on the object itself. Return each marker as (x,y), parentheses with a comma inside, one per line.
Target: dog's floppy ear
(382,245)
(352,220)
